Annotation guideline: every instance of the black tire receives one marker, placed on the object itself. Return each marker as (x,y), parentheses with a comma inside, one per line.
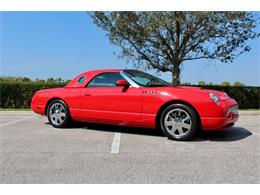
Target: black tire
(192,122)
(65,119)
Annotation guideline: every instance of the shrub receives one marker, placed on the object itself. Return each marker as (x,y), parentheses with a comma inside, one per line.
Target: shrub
(19,94)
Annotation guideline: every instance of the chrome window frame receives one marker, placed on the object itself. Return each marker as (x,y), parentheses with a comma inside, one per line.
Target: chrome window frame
(129,80)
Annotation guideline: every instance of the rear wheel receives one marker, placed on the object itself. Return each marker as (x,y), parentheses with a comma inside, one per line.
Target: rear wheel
(179,122)
(58,114)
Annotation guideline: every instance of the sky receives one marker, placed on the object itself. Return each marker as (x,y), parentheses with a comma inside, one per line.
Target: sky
(65,44)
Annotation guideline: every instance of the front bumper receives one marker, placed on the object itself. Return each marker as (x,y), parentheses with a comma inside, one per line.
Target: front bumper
(37,104)
(39,109)
(229,115)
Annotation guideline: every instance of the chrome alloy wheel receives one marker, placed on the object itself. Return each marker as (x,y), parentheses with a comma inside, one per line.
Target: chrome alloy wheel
(57,113)
(177,122)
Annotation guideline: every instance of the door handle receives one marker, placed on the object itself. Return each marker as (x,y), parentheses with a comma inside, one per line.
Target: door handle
(87,94)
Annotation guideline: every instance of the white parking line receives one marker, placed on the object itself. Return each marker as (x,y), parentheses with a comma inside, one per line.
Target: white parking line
(15,121)
(116,143)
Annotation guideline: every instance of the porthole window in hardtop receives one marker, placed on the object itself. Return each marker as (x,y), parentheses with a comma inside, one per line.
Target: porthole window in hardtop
(81,79)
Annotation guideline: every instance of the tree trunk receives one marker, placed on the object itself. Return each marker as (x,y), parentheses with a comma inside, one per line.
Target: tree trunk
(176,74)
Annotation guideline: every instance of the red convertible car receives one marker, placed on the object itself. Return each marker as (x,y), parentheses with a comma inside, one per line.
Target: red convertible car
(135,98)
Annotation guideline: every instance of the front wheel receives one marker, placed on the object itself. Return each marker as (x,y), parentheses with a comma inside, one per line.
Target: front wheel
(179,122)
(58,114)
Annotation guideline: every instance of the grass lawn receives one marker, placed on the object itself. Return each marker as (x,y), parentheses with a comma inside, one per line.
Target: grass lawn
(258,110)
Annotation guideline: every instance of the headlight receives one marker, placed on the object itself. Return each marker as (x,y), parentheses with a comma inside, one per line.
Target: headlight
(214,97)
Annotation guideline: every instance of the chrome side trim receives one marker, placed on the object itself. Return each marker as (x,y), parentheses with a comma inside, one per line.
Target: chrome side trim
(132,83)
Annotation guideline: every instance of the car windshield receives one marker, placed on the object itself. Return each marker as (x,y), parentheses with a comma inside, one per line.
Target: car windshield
(145,79)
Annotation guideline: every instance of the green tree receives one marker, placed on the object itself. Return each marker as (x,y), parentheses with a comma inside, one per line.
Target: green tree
(225,83)
(59,80)
(202,83)
(50,80)
(165,40)
(25,79)
(186,83)
(37,80)
(238,84)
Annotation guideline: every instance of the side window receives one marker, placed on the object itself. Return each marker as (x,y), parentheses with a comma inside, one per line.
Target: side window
(105,80)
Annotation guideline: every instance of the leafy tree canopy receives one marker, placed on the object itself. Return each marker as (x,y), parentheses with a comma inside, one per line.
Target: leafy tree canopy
(164,40)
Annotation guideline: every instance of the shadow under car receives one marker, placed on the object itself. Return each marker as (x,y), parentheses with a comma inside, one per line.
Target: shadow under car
(225,135)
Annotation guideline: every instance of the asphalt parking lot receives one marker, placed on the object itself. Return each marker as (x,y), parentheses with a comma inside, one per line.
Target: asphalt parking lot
(31,151)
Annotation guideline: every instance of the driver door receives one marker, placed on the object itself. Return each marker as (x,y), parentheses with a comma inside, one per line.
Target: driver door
(102,100)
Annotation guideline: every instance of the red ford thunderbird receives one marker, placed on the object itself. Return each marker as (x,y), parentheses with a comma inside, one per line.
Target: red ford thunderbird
(135,98)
